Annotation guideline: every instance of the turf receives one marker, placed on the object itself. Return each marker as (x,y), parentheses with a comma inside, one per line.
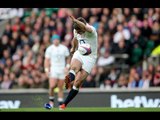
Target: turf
(91,109)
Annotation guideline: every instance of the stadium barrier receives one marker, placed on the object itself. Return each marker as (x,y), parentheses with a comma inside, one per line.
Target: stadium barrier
(114,98)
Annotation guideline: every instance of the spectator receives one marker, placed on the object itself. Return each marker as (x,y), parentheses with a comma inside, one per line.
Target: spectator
(122,81)
(132,72)
(121,34)
(107,84)
(146,30)
(105,60)
(4,44)
(146,79)
(120,48)
(127,13)
(155,34)
(156,80)
(6,83)
(136,83)
(13,79)
(136,54)
(113,75)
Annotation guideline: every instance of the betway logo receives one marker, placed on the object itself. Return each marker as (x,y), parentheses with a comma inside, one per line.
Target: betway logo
(137,101)
(9,104)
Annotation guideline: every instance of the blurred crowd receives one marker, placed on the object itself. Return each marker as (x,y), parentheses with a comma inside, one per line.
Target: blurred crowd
(134,32)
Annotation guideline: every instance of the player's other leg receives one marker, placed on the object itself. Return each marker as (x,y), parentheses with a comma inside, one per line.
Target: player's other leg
(80,77)
(60,92)
(52,85)
(75,68)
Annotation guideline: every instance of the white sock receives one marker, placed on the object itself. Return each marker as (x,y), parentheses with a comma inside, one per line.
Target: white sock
(60,99)
(73,72)
(51,97)
(75,88)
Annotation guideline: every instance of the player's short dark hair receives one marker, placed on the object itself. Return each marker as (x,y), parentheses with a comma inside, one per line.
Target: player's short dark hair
(80,19)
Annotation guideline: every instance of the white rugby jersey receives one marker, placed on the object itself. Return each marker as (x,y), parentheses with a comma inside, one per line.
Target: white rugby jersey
(57,55)
(90,38)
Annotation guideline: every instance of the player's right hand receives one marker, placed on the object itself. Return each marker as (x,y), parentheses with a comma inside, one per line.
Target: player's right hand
(72,51)
(47,71)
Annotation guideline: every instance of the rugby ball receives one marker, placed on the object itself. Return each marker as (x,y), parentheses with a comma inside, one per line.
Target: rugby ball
(84,49)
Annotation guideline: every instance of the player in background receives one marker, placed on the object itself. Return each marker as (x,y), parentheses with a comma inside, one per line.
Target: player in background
(56,56)
(81,65)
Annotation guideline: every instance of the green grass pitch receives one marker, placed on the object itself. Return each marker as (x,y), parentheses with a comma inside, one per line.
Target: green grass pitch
(91,109)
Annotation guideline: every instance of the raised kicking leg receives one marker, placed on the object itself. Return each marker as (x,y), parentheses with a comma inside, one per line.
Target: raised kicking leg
(75,68)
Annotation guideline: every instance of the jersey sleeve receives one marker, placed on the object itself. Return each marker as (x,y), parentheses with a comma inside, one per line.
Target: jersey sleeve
(93,29)
(47,53)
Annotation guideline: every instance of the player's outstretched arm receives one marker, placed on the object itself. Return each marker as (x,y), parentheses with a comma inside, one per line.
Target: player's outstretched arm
(74,45)
(81,25)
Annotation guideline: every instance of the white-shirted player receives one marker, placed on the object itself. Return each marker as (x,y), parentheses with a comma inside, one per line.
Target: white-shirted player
(81,65)
(56,56)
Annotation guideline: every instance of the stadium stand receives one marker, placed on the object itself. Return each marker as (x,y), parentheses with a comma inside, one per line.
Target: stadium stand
(126,40)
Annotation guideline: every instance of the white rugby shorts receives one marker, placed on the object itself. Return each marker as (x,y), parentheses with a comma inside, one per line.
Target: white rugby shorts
(87,61)
(57,73)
